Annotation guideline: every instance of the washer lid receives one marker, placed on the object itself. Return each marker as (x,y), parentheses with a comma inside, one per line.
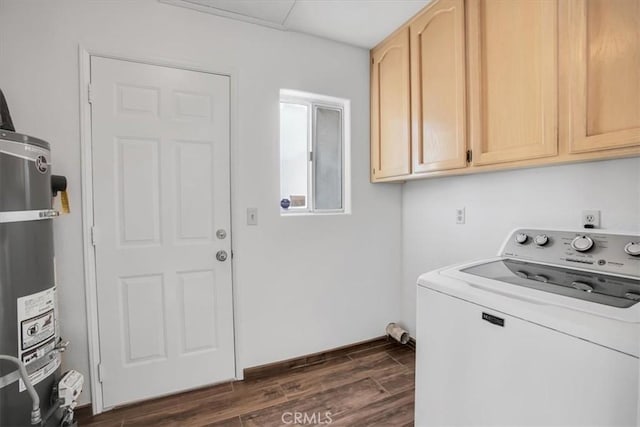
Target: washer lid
(609,326)
(588,286)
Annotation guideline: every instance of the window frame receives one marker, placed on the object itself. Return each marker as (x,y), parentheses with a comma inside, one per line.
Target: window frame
(312,102)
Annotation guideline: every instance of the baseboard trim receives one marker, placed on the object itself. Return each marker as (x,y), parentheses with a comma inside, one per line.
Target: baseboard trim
(282,366)
(412,343)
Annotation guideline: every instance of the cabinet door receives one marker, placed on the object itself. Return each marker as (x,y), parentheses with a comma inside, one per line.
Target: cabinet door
(512,79)
(438,88)
(390,131)
(605,74)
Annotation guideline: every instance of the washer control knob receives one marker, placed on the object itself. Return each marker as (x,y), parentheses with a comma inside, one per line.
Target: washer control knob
(541,239)
(582,243)
(632,248)
(581,286)
(521,238)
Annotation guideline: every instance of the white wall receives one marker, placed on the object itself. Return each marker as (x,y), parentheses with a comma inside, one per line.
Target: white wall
(498,202)
(303,284)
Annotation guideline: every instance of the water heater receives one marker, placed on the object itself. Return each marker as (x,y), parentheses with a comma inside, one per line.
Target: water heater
(30,343)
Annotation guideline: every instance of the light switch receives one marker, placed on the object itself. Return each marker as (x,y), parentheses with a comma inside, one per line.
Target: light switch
(252,216)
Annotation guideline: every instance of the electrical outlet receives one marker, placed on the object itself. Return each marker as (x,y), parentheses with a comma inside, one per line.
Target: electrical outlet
(460,215)
(252,216)
(591,219)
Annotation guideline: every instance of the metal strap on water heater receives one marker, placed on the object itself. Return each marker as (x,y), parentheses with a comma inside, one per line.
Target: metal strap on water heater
(35,365)
(9,379)
(22,150)
(18,216)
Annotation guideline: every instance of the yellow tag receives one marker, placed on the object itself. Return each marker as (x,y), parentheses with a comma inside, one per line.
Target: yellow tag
(64,198)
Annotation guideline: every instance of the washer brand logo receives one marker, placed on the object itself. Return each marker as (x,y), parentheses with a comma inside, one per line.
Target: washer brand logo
(41,164)
(302,418)
(493,319)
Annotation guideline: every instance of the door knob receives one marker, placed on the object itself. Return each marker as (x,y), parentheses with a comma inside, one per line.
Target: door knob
(221,256)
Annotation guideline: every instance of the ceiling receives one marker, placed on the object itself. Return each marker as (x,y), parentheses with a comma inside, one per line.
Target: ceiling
(362,23)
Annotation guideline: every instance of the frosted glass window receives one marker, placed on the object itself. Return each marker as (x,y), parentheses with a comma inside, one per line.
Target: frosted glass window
(314,154)
(327,150)
(294,153)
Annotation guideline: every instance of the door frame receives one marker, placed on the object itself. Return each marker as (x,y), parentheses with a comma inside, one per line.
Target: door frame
(86,166)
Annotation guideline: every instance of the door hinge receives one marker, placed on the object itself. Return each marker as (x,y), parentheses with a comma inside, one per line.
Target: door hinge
(94,235)
(469,156)
(100,372)
(90,93)
(311,156)
(373,171)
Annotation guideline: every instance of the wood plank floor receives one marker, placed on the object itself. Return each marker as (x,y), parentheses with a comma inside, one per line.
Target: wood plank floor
(373,386)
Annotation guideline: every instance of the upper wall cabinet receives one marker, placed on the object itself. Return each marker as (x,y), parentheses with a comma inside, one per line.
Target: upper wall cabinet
(514,83)
(604,48)
(438,88)
(390,109)
(513,78)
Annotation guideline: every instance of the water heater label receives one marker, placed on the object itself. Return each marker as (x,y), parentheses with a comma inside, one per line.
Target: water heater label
(36,332)
(37,329)
(42,373)
(36,318)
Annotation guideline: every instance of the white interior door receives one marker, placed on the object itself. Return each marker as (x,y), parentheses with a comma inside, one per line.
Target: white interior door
(160,142)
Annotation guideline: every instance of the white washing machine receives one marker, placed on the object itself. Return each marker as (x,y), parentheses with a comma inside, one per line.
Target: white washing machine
(546,333)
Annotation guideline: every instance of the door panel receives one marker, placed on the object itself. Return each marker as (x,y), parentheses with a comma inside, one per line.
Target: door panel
(198,307)
(438,88)
(194,209)
(605,72)
(513,79)
(138,191)
(160,142)
(390,115)
(145,334)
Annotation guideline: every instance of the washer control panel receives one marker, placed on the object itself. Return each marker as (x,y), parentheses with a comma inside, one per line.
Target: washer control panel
(591,250)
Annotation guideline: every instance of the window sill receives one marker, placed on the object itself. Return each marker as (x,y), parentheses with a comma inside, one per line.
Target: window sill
(306,213)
